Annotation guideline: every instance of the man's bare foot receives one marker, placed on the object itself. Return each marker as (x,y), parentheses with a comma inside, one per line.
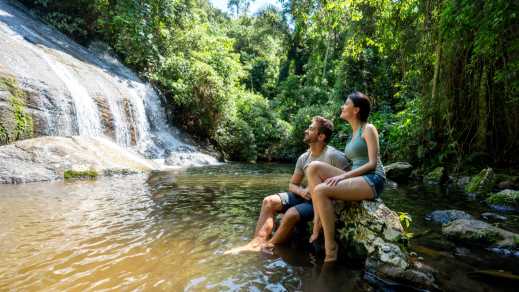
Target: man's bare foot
(331,251)
(254,245)
(268,248)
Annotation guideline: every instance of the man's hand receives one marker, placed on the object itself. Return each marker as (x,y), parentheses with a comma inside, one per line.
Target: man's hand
(306,195)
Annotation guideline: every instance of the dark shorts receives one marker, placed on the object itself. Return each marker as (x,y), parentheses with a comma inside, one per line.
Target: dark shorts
(303,207)
(376,182)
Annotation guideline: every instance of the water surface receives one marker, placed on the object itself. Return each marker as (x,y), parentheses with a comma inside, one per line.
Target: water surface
(168,231)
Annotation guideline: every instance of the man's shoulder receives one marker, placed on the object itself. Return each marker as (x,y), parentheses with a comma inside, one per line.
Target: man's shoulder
(330,150)
(304,155)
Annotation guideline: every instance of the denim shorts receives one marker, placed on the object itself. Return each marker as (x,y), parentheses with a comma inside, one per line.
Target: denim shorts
(376,182)
(303,207)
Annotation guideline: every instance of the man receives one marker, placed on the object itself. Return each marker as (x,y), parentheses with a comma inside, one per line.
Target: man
(296,202)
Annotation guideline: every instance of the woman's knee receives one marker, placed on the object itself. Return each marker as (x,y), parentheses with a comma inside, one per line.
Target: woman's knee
(321,191)
(314,167)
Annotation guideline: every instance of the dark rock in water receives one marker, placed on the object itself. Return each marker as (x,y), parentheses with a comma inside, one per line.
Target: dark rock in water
(504,181)
(478,233)
(482,183)
(370,231)
(461,181)
(493,217)
(505,198)
(437,176)
(446,216)
(398,171)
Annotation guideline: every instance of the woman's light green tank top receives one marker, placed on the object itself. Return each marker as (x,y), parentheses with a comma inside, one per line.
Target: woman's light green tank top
(357,151)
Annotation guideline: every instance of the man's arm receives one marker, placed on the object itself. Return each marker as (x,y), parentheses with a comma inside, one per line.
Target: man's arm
(295,186)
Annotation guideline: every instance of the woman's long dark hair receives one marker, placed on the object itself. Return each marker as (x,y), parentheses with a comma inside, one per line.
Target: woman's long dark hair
(363,102)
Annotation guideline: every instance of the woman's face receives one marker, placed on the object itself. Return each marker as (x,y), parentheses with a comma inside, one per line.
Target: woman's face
(349,111)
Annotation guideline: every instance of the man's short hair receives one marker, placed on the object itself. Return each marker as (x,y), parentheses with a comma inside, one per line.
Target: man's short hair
(324,126)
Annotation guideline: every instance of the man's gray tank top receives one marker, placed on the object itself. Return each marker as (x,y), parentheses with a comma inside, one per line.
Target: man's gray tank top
(357,151)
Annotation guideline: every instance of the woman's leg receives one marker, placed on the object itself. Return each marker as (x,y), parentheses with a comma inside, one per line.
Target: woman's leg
(352,189)
(317,172)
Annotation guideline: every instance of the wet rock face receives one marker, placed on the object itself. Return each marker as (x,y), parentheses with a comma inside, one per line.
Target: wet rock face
(48,158)
(398,171)
(447,216)
(370,230)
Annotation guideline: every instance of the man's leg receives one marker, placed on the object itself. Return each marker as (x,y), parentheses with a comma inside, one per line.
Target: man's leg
(286,226)
(270,206)
(301,211)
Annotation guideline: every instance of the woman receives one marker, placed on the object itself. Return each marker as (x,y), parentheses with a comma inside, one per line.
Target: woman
(365,180)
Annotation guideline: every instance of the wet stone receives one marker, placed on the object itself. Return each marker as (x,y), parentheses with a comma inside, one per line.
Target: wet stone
(447,216)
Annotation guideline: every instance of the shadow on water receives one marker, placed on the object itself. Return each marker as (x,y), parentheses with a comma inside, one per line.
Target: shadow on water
(168,231)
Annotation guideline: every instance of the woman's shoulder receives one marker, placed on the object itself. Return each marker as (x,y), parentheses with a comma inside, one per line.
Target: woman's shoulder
(370,128)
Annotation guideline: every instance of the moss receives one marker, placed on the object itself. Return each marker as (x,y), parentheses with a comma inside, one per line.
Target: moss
(87,174)
(505,197)
(438,175)
(481,183)
(23,123)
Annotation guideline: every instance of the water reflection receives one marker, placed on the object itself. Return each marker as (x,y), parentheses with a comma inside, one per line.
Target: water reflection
(168,231)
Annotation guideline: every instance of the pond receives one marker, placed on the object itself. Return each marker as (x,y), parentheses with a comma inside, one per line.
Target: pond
(169,231)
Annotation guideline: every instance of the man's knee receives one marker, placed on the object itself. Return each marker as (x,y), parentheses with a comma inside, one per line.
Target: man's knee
(291,216)
(272,202)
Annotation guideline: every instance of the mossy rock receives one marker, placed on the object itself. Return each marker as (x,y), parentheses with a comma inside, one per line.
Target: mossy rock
(437,176)
(472,232)
(482,183)
(15,122)
(509,198)
(85,174)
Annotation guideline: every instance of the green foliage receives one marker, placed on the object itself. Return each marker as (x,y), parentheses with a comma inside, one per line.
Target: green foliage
(443,74)
(406,221)
(270,133)
(236,140)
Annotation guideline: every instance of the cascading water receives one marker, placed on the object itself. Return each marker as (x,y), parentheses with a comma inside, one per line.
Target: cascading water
(89,89)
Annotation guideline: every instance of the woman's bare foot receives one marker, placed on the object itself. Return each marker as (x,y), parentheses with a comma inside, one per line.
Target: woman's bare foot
(313,237)
(332,251)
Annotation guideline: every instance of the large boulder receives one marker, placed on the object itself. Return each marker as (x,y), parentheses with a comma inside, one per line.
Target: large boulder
(398,171)
(482,183)
(505,199)
(51,158)
(370,231)
(478,233)
(447,216)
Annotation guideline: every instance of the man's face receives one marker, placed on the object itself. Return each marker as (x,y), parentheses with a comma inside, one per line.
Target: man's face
(311,134)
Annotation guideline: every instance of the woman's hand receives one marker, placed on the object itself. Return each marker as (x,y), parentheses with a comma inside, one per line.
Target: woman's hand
(334,180)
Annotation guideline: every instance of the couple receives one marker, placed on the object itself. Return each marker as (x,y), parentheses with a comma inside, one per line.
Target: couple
(328,179)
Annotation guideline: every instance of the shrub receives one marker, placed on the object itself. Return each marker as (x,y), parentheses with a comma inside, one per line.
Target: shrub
(236,140)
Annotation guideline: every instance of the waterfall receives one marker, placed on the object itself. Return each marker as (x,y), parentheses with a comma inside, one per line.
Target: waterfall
(86,113)
(88,92)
